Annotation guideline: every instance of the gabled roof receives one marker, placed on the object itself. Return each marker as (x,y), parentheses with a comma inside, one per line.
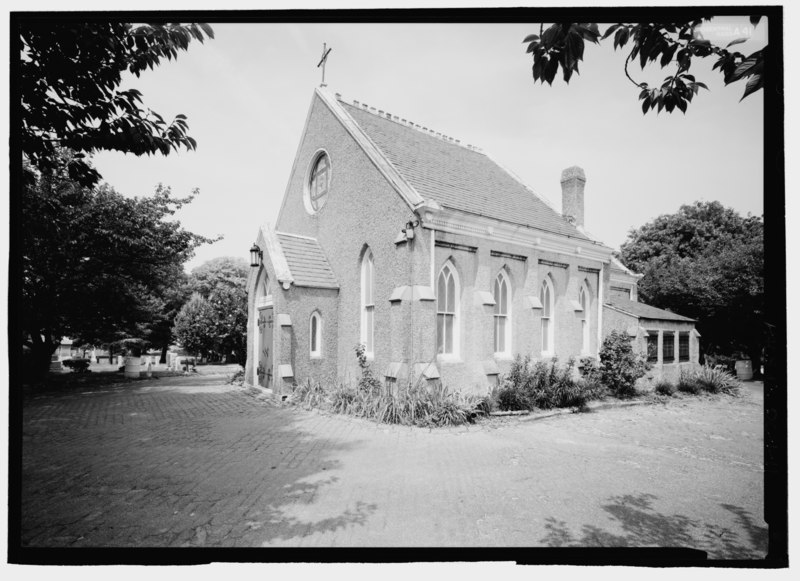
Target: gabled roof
(643,311)
(457,177)
(306,261)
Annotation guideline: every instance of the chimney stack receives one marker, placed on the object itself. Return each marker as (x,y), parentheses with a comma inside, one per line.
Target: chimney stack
(573,181)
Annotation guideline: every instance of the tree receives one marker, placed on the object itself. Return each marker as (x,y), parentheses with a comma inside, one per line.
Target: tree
(705,262)
(214,322)
(195,326)
(70,74)
(96,266)
(562,45)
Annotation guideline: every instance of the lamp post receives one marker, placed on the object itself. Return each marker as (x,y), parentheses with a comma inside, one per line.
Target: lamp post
(255,256)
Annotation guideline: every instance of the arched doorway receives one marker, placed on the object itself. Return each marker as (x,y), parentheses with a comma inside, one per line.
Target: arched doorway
(264,322)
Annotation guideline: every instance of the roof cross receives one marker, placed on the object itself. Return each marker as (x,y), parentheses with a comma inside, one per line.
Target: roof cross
(323,61)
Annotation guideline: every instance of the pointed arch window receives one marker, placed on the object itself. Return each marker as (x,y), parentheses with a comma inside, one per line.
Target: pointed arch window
(583,299)
(368,303)
(315,334)
(447,311)
(502,314)
(548,335)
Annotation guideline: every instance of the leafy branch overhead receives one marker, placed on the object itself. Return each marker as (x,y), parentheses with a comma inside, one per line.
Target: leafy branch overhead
(561,45)
(70,78)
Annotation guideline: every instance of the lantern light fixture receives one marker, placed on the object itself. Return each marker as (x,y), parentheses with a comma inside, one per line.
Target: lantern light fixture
(256,255)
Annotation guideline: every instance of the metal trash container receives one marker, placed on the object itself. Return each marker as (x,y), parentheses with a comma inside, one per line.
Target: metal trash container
(744,370)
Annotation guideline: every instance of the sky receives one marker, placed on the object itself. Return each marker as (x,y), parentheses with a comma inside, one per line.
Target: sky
(247,92)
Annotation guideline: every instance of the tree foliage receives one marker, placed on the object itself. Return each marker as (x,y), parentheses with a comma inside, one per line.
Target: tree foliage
(96,266)
(705,262)
(561,45)
(71,98)
(214,321)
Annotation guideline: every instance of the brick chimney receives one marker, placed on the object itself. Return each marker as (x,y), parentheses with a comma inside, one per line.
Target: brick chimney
(573,181)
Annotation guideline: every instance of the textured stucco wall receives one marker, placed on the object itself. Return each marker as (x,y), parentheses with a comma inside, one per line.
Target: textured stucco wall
(300,303)
(362,209)
(477,272)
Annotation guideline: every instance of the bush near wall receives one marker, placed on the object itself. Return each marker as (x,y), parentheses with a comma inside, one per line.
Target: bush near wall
(416,403)
(619,366)
(545,385)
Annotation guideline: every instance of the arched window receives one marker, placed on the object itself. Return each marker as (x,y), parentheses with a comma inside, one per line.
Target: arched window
(583,299)
(368,303)
(546,297)
(502,314)
(447,311)
(315,334)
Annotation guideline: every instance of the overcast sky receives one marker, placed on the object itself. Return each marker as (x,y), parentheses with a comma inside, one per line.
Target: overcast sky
(247,92)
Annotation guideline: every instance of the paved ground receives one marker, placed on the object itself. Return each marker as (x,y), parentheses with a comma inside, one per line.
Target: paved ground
(190,462)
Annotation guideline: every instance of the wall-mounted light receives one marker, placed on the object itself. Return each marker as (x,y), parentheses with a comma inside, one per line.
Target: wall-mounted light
(255,256)
(409,229)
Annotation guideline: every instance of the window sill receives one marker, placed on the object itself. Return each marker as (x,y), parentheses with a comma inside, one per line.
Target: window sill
(504,356)
(449,358)
(316,356)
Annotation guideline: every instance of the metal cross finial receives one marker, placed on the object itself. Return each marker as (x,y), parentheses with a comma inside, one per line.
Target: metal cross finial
(323,60)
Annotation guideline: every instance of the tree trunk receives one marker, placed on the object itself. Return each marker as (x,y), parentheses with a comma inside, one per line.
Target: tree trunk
(755,359)
(41,353)
(164,350)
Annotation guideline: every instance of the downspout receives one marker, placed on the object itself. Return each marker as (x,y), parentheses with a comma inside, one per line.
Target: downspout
(600,309)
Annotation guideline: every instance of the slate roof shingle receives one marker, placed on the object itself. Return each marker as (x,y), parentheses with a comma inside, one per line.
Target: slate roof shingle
(457,177)
(644,311)
(307,261)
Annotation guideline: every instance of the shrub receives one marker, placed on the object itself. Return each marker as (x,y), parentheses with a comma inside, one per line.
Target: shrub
(544,385)
(716,380)
(77,365)
(592,387)
(489,403)
(687,383)
(664,387)
(726,362)
(511,399)
(620,367)
(368,381)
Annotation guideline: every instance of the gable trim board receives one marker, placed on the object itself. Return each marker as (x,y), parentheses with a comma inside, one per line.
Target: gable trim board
(279,263)
(401,186)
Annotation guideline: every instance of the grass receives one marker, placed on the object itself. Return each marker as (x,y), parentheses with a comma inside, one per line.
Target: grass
(414,404)
(710,380)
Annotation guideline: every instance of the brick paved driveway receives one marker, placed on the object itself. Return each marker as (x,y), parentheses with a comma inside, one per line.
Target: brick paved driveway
(190,462)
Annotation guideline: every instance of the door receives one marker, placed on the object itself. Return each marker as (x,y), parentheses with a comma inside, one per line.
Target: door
(265,324)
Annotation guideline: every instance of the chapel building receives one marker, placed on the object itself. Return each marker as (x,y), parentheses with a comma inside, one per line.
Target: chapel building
(436,259)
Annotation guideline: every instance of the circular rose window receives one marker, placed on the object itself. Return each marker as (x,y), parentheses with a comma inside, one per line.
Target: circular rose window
(319,182)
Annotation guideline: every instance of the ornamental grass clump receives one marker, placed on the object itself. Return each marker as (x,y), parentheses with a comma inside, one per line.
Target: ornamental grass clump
(711,380)
(414,404)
